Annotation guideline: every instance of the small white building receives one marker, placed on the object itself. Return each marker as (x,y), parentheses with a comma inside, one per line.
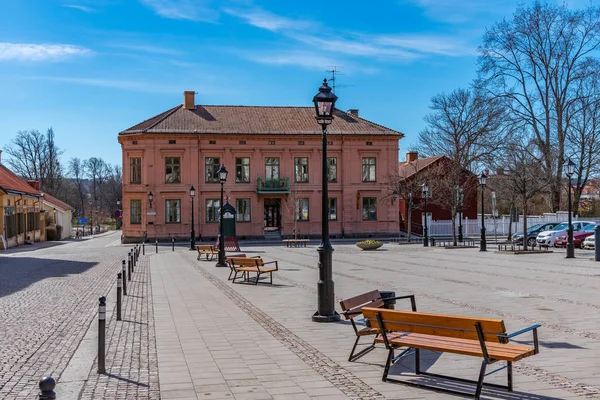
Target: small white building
(61,212)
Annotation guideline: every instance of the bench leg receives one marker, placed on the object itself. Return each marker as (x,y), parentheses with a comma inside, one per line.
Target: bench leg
(417,361)
(480,380)
(509,370)
(388,363)
(361,353)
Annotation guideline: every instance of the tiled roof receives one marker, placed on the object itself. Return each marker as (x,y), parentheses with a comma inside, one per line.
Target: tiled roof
(9,182)
(56,202)
(224,120)
(407,169)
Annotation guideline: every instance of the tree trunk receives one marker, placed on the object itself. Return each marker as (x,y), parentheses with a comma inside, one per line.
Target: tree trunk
(409,227)
(454,228)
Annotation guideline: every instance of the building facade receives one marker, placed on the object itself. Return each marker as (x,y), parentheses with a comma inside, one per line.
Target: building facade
(273,156)
(22,218)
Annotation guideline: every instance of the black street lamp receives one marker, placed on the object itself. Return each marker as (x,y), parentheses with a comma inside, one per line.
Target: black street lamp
(192,232)
(425,194)
(482,244)
(460,200)
(150,198)
(222,172)
(324,105)
(570,247)
(118,209)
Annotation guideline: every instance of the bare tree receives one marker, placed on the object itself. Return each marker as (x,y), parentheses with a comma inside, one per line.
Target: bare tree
(35,156)
(535,62)
(291,208)
(77,171)
(524,173)
(466,126)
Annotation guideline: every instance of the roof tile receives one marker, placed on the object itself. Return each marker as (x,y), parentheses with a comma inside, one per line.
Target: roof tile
(10,181)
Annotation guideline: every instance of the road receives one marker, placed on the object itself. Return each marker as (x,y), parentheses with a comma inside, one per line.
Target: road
(48,298)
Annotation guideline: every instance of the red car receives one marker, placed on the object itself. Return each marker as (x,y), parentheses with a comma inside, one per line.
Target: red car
(578,237)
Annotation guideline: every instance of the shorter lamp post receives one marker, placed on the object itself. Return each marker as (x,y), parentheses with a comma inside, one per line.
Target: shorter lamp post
(461,200)
(570,247)
(482,181)
(118,208)
(193,231)
(222,173)
(425,194)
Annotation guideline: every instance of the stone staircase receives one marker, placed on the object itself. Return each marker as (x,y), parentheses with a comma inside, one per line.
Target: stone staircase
(273,235)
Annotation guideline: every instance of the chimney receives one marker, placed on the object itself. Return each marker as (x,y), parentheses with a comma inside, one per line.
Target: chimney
(412,156)
(353,112)
(188,100)
(34,184)
(500,171)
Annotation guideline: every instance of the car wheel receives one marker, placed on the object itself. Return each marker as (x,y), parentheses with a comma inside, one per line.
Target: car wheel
(581,245)
(531,242)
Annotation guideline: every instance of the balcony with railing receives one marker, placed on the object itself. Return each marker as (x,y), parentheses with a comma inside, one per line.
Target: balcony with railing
(273,186)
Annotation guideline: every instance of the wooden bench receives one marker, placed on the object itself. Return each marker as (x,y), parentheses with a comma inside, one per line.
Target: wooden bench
(296,242)
(246,265)
(352,309)
(207,250)
(472,336)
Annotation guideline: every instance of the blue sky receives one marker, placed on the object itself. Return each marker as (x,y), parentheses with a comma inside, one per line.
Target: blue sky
(91,68)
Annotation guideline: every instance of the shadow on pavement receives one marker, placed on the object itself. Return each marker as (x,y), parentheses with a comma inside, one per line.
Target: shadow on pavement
(20,272)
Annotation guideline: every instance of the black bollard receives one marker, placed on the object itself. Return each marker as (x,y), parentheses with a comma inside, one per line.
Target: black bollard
(119,289)
(101,334)
(597,243)
(173,243)
(129,266)
(132,260)
(124,274)
(143,249)
(47,385)
(156,241)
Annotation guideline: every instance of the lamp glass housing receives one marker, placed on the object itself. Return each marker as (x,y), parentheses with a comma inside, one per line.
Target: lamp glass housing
(482,179)
(324,104)
(192,191)
(425,189)
(570,167)
(222,172)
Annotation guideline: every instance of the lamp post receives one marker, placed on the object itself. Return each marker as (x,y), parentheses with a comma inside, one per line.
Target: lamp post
(192,232)
(570,247)
(425,194)
(222,172)
(324,102)
(118,208)
(482,180)
(461,199)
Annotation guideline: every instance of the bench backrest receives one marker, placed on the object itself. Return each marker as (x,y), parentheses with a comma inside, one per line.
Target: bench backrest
(453,326)
(245,262)
(353,306)
(205,247)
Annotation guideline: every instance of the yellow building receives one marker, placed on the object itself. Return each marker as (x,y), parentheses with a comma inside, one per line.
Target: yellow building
(20,207)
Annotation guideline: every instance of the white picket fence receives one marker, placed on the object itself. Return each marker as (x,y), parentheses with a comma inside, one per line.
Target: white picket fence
(496,226)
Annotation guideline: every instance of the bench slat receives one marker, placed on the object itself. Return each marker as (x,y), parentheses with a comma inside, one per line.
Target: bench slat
(359,300)
(497,351)
(436,324)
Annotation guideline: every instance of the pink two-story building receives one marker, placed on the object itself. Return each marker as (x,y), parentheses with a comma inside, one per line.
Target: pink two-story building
(273,156)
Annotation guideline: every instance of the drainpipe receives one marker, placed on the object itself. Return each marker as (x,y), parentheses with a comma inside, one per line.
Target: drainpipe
(34,203)
(17,218)
(341,211)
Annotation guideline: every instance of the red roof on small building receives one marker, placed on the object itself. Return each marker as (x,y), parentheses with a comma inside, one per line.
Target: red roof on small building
(10,183)
(407,169)
(56,202)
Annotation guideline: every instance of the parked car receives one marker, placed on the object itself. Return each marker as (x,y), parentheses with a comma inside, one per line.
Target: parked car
(589,243)
(547,238)
(532,233)
(578,236)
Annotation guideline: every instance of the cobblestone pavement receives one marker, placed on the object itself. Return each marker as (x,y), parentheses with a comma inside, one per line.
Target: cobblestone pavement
(218,340)
(48,297)
(131,364)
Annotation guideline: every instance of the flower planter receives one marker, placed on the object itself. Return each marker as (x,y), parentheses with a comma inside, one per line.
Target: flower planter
(369,246)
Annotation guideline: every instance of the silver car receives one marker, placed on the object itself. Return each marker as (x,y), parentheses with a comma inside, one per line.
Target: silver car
(547,238)
(589,243)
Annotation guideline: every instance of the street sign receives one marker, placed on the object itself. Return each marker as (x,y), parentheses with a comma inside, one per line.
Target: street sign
(82,221)
(151,213)
(117,213)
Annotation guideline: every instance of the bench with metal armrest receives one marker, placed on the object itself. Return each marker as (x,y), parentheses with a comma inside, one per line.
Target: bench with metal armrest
(352,309)
(485,338)
(207,250)
(247,265)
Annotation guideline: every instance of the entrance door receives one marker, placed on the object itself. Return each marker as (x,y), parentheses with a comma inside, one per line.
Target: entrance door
(272,214)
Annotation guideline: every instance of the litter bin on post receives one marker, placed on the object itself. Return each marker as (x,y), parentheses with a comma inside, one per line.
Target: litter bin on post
(389,304)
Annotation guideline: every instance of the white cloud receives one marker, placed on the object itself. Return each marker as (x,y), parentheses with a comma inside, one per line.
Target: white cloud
(150,87)
(452,11)
(267,20)
(80,8)
(148,49)
(299,58)
(193,10)
(40,52)
(427,44)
